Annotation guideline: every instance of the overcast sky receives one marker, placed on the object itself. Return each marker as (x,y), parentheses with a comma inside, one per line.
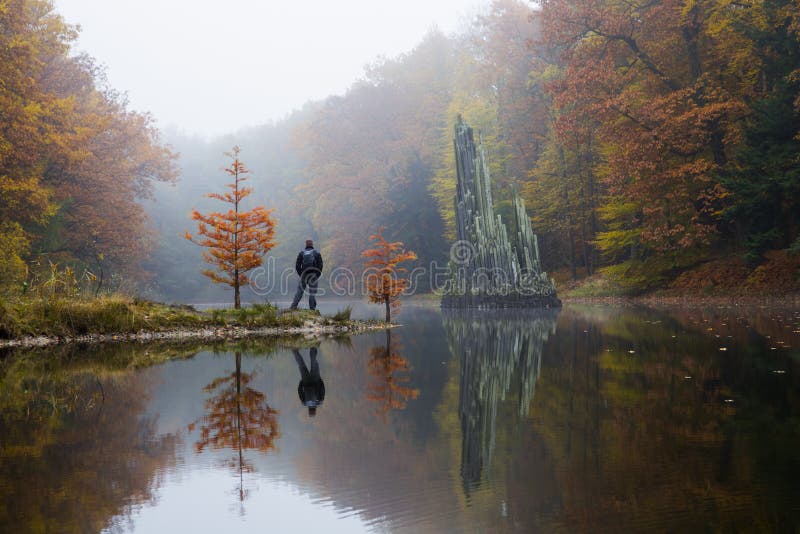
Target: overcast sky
(210,67)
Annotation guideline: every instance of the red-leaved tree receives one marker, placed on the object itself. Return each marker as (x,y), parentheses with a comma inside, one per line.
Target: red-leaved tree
(236,240)
(382,282)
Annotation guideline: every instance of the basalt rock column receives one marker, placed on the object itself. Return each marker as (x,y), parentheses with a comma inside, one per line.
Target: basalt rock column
(488,267)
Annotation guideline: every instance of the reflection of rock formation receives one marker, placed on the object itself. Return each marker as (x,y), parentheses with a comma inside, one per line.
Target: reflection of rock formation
(493,348)
(388,370)
(238,417)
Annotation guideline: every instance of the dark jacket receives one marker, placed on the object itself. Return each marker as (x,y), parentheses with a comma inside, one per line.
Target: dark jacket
(312,393)
(311,388)
(316,269)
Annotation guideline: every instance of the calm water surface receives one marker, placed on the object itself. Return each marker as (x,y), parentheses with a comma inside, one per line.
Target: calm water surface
(591,419)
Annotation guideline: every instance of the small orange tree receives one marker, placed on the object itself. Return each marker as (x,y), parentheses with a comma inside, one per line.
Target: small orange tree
(382,282)
(236,241)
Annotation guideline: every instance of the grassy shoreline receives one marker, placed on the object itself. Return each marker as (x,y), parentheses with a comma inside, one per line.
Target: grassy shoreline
(47,321)
(598,290)
(39,321)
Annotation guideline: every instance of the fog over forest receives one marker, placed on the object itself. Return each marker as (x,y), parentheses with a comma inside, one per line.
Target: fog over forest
(276,151)
(655,145)
(385,180)
(582,216)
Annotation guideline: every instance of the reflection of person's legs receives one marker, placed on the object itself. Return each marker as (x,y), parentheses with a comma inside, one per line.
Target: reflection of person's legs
(312,291)
(314,365)
(301,287)
(301,364)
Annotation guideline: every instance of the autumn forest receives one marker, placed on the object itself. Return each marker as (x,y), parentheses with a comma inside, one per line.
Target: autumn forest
(609,189)
(656,145)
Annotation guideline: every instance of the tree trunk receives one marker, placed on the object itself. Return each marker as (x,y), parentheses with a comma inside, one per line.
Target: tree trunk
(584,204)
(691,32)
(237,303)
(388,312)
(585,245)
(99,281)
(594,260)
(567,217)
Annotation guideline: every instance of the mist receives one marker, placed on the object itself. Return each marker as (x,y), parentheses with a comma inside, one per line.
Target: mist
(582,216)
(344,113)
(209,70)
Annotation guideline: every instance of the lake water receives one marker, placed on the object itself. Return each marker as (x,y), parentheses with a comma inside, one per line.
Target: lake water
(590,419)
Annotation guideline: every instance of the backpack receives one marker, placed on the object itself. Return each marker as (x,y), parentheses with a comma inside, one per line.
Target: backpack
(309,259)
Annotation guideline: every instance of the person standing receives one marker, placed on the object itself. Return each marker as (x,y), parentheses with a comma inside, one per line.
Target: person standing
(309,267)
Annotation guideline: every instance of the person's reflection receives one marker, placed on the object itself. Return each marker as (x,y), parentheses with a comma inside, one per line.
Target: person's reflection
(311,388)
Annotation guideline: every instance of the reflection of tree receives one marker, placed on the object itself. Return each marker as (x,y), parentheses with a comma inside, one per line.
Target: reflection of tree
(77,452)
(238,417)
(493,348)
(388,385)
(645,438)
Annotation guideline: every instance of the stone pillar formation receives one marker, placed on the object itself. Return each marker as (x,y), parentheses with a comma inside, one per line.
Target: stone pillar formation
(488,267)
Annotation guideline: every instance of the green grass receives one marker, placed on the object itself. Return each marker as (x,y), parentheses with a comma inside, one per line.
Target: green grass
(64,316)
(343,315)
(257,315)
(116,314)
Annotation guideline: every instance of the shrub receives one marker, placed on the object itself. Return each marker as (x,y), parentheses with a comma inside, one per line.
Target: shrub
(343,315)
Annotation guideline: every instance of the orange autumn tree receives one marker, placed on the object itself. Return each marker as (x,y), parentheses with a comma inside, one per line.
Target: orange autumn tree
(236,240)
(381,280)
